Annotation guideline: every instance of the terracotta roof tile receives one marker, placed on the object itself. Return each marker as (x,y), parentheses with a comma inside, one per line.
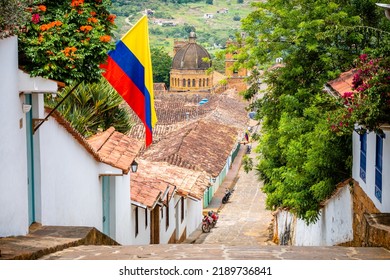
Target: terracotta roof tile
(343,83)
(202,146)
(153,178)
(110,147)
(175,111)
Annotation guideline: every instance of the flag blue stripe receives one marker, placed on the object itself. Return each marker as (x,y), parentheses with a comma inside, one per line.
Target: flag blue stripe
(130,65)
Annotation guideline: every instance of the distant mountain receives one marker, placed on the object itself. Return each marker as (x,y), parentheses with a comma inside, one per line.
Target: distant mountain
(174,19)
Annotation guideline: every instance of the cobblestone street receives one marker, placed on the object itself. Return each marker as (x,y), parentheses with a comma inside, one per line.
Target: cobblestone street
(243,220)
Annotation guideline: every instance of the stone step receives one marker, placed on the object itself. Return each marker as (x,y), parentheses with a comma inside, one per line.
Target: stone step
(49,239)
(218,252)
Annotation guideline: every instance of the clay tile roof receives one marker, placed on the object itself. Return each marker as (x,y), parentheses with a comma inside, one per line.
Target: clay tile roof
(143,192)
(343,83)
(202,146)
(110,147)
(177,110)
(153,178)
(159,87)
(115,148)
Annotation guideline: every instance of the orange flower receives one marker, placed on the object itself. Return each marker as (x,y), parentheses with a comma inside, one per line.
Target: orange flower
(105,38)
(69,51)
(86,28)
(76,3)
(42,8)
(111,18)
(45,27)
(57,23)
(93,20)
(93,13)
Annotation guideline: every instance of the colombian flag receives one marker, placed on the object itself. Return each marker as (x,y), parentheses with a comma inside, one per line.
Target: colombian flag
(129,71)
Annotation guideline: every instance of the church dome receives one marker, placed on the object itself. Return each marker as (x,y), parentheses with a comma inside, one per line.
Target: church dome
(191,56)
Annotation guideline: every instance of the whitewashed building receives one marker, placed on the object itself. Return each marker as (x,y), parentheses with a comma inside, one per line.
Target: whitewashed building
(167,202)
(371,166)
(54,176)
(342,218)
(16,93)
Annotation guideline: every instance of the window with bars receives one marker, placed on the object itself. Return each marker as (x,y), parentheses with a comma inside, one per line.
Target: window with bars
(363,156)
(378,167)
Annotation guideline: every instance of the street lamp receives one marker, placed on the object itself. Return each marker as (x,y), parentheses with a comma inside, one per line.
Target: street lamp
(134,166)
(386,7)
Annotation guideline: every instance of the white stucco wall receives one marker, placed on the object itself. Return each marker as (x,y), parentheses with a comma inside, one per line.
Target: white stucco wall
(143,237)
(194,215)
(13,165)
(166,233)
(369,185)
(70,185)
(181,225)
(123,209)
(333,227)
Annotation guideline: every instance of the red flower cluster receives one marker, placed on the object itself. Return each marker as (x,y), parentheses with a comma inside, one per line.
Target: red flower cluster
(368,104)
(35,18)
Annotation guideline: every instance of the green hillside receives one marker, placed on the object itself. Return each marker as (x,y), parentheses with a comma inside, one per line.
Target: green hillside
(169,20)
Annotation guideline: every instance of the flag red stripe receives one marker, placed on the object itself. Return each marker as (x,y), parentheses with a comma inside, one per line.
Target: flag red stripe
(128,90)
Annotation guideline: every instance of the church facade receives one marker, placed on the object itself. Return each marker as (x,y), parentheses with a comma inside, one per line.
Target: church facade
(189,67)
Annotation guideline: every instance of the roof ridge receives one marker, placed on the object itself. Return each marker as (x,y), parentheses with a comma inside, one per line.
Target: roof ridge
(109,133)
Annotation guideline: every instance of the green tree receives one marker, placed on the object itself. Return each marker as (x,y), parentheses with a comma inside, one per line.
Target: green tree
(301,159)
(92,108)
(13,16)
(161,65)
(66,40)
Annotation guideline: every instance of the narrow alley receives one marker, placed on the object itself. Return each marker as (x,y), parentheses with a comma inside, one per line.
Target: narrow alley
(243,220)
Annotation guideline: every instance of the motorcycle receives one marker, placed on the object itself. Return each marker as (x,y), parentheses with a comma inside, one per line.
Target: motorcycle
(206,223)
(214,216)
(227,195)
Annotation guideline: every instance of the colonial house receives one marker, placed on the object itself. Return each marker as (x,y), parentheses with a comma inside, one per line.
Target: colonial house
(152,211)
(167,202)
(52,175)
(16,92)
(357,213)
(371,174)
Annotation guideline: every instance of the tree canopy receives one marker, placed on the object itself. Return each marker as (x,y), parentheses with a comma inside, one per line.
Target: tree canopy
(66,40)
(161,65)
(93,107)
